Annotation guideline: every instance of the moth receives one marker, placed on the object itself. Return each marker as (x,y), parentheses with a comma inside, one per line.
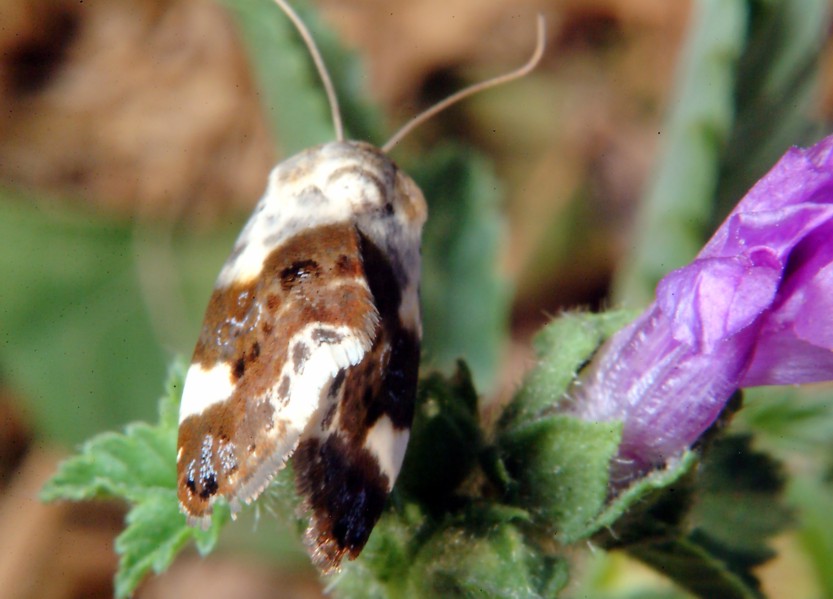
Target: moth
(310,345)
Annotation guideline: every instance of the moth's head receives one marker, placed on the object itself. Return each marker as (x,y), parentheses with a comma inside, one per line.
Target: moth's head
(386,191)
(349,180)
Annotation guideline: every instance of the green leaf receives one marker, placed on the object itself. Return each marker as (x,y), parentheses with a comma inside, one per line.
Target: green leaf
(292,89)
(739,505)
(117,465)
(705,529)
(465,302)
(775,93)
(652,506)
(797,424)
(694,568)
(155,534)
(140,467)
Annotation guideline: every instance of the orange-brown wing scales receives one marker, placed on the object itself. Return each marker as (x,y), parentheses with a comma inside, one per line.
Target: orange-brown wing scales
(261,332)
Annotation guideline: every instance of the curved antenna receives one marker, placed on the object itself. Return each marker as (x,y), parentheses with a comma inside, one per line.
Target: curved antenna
(319,64)
(474,89)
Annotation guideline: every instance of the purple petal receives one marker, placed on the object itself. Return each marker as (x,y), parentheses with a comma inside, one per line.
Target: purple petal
(784,359)
(799,177)
(712,299)
(796,339)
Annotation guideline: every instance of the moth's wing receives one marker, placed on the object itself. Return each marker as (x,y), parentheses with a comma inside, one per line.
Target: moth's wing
(346,464)
(262,370)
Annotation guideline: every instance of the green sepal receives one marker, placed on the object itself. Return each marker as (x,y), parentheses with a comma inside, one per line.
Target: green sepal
(648,508)
(494,561)
(562,347)
(552,464)
(560,466)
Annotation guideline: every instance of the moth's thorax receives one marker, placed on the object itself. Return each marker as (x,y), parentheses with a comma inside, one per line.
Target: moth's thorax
(310,345)
(346,181)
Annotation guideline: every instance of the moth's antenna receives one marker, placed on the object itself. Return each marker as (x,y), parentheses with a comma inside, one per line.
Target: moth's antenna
(473,89)
(319,64)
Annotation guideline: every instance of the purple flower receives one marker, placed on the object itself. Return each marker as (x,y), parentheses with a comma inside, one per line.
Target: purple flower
(754,308)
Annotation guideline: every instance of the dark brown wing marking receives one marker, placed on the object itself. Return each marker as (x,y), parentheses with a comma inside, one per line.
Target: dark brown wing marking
(335,471)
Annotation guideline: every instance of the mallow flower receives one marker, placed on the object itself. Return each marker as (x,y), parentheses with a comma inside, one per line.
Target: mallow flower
(755,307)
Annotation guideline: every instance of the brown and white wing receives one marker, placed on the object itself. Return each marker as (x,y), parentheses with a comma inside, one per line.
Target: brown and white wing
(268,353)
(346,465)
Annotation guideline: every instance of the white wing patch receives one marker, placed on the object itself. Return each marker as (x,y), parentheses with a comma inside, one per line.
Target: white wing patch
(311,366)
(204,388)
(388,445)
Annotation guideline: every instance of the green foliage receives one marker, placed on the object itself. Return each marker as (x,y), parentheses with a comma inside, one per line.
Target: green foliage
(694,568)
(556,465)
(676,212)
(465,303)
(740,504)
(80,341)
(493,562)
(74,326)
(446,430)
(743,96)
(294,96)
(403,556)
(708,530)
(655,500)
(138,466)
(797,425)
